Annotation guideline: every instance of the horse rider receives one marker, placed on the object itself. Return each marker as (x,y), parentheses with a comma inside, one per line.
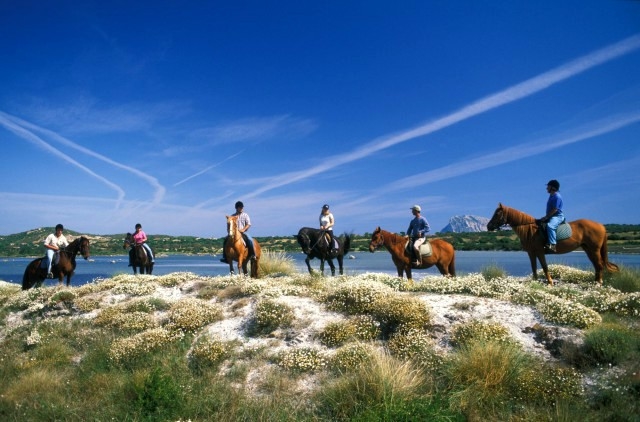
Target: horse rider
(53,243)
(417,232)
(326,226)
(244,223)
(555,215)
(140,239)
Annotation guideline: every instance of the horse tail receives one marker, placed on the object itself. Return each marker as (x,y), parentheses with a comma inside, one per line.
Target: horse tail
(604,255)
(347,243)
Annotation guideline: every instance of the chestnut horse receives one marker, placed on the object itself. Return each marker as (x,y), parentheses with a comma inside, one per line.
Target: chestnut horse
(236,250)
(443,255)
(314,245)
(35,273)
(586,234)
(138,256)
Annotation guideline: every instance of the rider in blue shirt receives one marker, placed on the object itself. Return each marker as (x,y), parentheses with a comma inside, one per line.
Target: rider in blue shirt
(417,231)
(555,215)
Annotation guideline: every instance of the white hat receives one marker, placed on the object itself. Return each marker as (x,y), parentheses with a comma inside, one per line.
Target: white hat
(416,207)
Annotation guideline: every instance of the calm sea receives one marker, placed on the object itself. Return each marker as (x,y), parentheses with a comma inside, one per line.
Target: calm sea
(514,263)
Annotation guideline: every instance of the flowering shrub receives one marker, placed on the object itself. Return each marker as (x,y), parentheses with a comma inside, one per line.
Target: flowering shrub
(142,343)
(565,312)
(270,315)
(174,279)
(134,289)
(302,360)
(26,298)
(337,333)
(356,297)
(209,353)
(87,304)
(34,338)
(416,345)
(191,314)
(117,317)
(395,310)
(627,305)
(546,384)
(479,331)
(365,327)
(350,357)
(570,275)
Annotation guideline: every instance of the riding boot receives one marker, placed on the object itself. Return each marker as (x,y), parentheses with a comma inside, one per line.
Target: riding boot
(418,261)
(252,253)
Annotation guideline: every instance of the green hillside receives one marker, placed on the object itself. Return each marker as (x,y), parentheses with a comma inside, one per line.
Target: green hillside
(623,238)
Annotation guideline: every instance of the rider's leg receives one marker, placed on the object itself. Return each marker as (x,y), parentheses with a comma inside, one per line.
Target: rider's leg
(416,247)
(552,226)
(149,252)
(250,245)
(50,254)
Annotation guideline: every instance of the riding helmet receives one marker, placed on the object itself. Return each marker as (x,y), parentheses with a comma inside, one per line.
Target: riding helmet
(554,184)
(325,207)
(239,204)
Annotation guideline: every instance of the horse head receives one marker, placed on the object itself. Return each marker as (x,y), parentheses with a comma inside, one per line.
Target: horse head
(304,241)
(377,240)
(84,247)
(498,220)
(232,225)
(128,241)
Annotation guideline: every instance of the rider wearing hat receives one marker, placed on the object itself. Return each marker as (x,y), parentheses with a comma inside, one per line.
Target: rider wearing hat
(554,216)
(417,232)
(326,224)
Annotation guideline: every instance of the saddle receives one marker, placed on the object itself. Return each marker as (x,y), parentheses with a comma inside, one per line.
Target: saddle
(327,239)
(425,248)
(562,232)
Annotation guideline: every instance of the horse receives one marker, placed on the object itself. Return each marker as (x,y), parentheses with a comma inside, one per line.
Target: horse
(315,245)
(35,274)
(235,249)
(138,256)
(443,256)
(589,235)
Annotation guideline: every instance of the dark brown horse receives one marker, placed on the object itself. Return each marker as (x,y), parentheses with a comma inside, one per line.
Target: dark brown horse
(35,273)
(236,250)
(586,234)
(443,255)
(138,256)
(315,245)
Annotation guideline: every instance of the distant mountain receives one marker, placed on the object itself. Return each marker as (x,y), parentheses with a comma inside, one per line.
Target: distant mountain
(466,224)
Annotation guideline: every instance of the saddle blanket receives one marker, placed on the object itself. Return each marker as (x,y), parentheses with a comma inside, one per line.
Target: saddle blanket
(563,231)
(425,248)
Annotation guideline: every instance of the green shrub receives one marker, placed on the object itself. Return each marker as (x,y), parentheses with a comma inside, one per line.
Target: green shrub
(366,327)
(191,314)
(608,344)
(351,357)
(159,397)
(302,360)
(416,345)
(337,333)
(209,353)
(626,280)
(492,271)
(356,297)
(276,263)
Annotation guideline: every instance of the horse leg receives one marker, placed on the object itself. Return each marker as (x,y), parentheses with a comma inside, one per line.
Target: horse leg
(322,266)
(308,264)
(333,267)
(595,258)
(545,268)
(534,264)
(341,264)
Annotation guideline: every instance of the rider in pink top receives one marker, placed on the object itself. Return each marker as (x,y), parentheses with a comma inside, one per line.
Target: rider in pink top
(140,238)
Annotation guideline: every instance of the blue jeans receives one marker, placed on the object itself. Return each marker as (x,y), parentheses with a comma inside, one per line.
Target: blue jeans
(552,225)
(149,252)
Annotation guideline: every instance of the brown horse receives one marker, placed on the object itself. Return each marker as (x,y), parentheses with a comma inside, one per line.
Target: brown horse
(585,234)
(442,256)
(236,250)
(35,273)
(138,256)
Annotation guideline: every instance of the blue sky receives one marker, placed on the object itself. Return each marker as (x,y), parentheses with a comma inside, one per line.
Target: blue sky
(166,113)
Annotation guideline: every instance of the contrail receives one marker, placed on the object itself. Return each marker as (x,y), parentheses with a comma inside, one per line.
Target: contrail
(159,189)
(511,154)
(206,169)
(506,96)
(34,139)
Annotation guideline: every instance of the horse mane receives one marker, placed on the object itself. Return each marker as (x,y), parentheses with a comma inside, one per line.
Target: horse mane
(523,225)
(394,238)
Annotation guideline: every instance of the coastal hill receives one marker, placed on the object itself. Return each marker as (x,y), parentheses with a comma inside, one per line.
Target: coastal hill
(623,238)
